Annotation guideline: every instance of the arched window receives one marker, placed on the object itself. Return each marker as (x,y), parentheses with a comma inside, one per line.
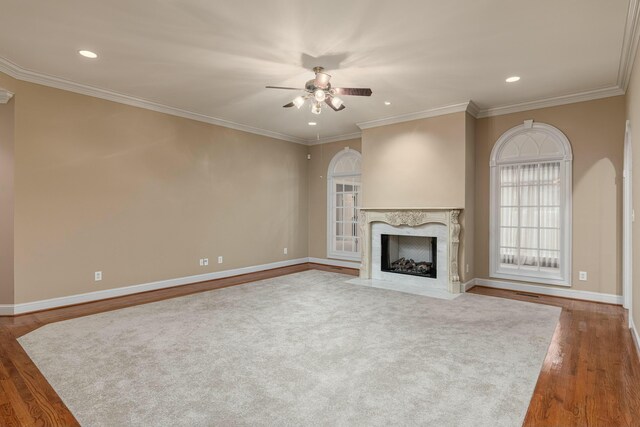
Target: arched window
(531,205)
(343,203)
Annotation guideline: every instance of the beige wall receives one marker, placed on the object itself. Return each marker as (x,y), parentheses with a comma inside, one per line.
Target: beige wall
(415,164)
(6,202)
(596,132)
(633,115)
(321,156)
(142,196)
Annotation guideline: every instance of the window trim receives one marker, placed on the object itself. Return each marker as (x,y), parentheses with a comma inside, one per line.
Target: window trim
(565,157)
(331,212)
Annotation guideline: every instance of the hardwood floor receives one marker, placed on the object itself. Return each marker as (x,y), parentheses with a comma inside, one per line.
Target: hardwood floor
(591,374)
(590,377)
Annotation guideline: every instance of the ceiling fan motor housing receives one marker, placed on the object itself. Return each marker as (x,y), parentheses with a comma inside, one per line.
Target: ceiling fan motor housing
(311,86)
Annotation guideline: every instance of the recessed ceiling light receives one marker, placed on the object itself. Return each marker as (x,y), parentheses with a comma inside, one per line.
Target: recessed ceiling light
(512,79)
(88,54)
(387,102)
(312,123)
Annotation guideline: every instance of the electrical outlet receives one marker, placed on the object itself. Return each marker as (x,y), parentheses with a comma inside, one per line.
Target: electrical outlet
(219,260)
(205,261)
(97,276)
(285,251)
(201,262)
(582,275)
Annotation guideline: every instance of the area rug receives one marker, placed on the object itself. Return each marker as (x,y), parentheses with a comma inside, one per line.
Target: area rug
(301,349)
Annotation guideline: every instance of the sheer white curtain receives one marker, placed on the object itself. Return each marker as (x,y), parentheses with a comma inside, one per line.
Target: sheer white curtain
(530,215)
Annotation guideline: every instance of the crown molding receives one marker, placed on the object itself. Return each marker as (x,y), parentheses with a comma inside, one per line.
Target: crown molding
(473,109)
(629,44)
(5,96)
(19,73)
(551,102)
(337,138)
(434,112)
(23,74)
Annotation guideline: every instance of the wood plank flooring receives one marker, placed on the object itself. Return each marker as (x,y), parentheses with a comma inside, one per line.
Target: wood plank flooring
(590,377)
(591,374)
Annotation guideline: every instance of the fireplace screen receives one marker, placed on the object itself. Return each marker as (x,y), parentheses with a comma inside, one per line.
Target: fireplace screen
(413,255)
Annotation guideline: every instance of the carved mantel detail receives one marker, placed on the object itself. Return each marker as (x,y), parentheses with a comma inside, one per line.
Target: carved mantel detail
(412,218)
(454,243)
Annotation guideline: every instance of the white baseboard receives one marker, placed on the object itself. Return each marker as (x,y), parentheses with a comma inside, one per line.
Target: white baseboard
(634,332)
(468,285)
(556,292)
(13,309)
(335,262)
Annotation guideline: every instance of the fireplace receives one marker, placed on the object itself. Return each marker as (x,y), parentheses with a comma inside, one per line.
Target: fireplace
(412,255)
(411,249)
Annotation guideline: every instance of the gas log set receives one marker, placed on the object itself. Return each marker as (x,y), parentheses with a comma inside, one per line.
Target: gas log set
(410,266)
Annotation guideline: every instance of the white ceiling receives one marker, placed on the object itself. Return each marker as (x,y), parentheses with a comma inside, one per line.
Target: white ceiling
(215,57)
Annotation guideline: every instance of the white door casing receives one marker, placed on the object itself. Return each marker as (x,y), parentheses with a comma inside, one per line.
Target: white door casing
(627,221)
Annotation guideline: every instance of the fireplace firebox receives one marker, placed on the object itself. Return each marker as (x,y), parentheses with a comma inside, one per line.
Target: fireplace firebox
(412,255)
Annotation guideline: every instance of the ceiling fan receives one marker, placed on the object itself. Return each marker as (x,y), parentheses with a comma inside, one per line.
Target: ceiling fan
(319,90)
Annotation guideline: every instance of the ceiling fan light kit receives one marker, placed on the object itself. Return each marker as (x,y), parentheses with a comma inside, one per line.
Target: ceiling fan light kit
(336,102)
(319,95)
(298,102)
(321,91)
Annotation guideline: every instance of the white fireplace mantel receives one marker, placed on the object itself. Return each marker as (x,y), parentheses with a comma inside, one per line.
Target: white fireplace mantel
(413,217)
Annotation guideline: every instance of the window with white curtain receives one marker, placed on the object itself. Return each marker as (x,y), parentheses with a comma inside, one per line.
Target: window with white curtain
(343,203)
(531,205)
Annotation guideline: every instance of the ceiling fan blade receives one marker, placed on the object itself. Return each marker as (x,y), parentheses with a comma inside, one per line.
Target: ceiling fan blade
(285,88)
(291,104)
(328,102)
(353,91)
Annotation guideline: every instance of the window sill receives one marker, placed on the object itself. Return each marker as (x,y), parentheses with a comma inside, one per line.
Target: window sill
(344,256)
(546,280)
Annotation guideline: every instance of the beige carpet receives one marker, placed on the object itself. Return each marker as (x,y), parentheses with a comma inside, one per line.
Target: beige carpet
(303,349)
